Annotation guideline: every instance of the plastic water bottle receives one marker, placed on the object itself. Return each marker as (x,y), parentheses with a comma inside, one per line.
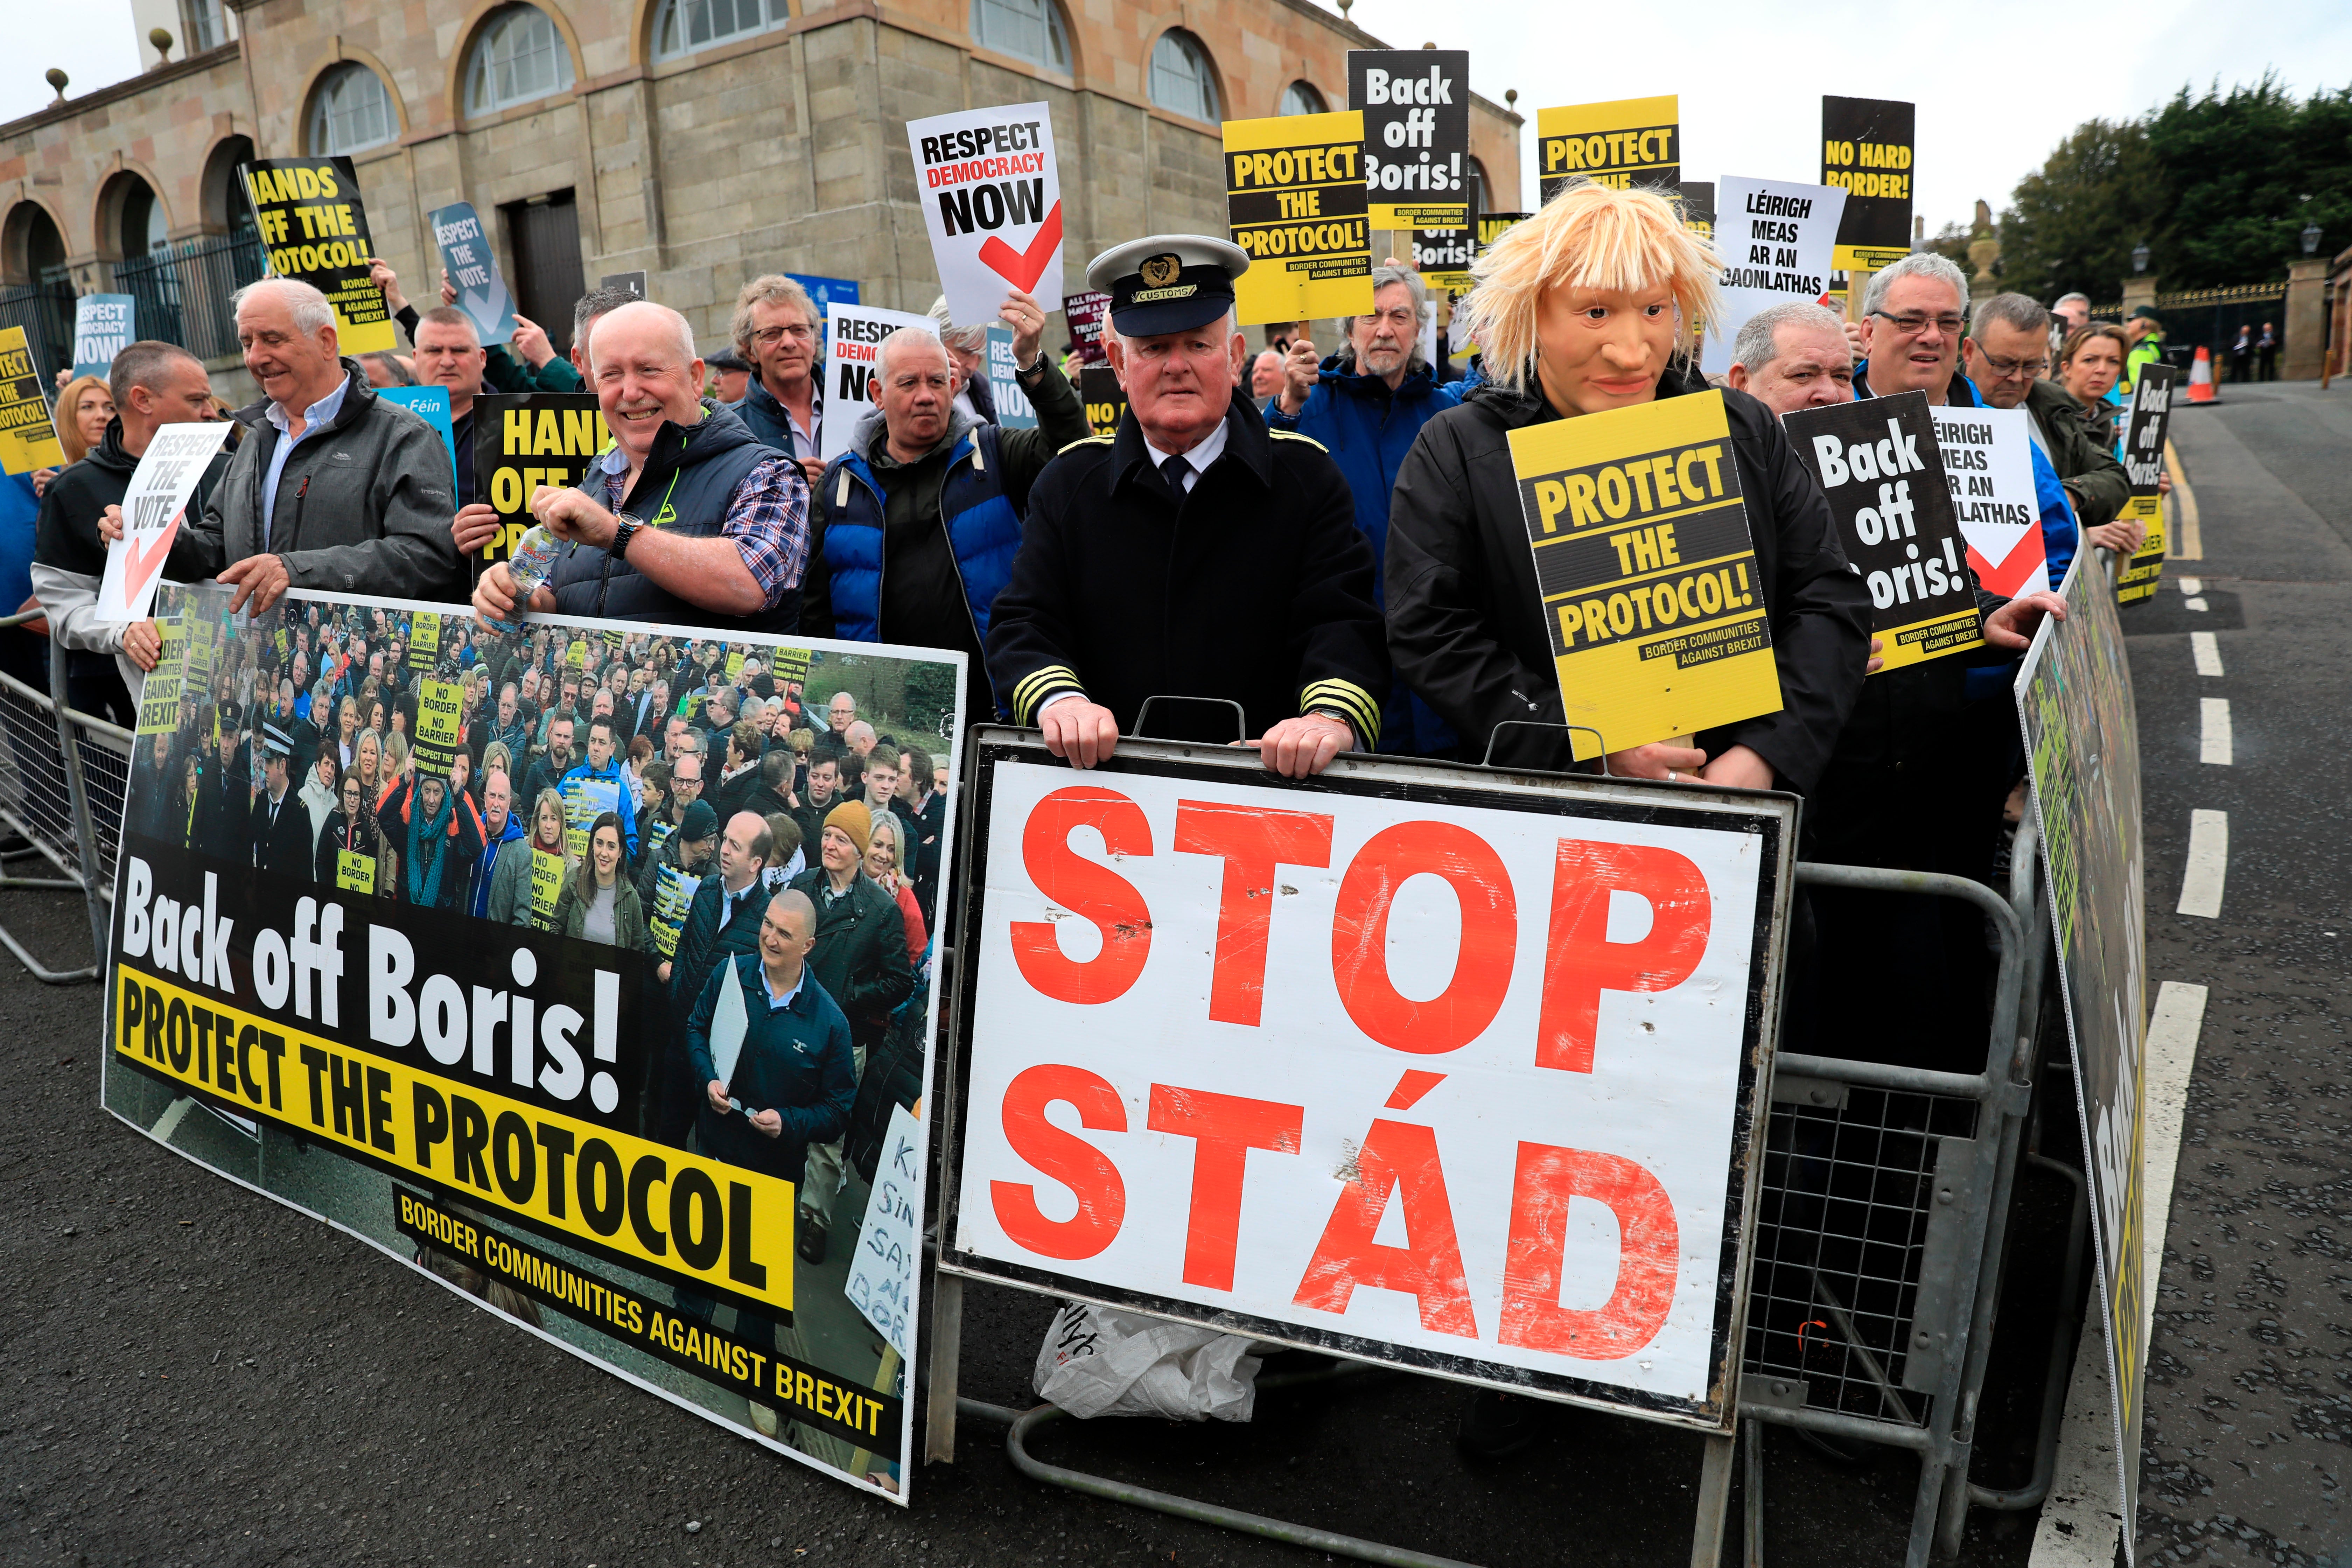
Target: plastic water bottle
(532,563)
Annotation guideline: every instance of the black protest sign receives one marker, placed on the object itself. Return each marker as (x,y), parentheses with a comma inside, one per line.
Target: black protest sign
(316,230)
(1105,399)
(1416,105)
(2144,434)
(1867,153)
(1443,258)
(1492,226)
(1698,208)
(1879,465)
(521,441)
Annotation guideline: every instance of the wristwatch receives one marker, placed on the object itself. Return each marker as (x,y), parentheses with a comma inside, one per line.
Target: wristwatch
(624,528)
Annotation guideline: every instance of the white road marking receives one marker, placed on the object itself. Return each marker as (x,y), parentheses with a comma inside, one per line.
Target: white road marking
(2207,652)
(2192,584)
(2082,1520)
(2192,604)
(2213,745)
(2209,864)
(2185,542)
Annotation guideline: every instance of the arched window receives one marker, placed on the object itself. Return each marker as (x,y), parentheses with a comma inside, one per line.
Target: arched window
(685,26)
(351,112)
(141,229)
(1300,98)
(1181,82)
(1028,29)
(519,56)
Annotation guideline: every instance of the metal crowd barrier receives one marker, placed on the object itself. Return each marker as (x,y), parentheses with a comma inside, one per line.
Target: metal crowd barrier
(63,778)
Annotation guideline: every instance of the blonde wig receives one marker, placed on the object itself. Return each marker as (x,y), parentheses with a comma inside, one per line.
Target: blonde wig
(1587,236)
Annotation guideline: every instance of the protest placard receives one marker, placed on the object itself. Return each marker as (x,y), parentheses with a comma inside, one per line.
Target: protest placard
(1989,468)
(1014,410)
(28,439)
(2081,745)
(1536,1178)
(1086,314)
(1648,571)
(824,292)
(1866,152)
(1416,109)
(1698,208)
(152,508)
(1295,197)
(1492,226)
(424,641)
(159,694)
(1442,260)
(1631,142)
(1105,400)
(889,1243)
(102,329)
(2144,433)
(468,1096)
(627,282)
(1879,466)
(1774,238)
(854,335)
(473,271)
(525,440)
(993,203)
(430,404)
(315,229)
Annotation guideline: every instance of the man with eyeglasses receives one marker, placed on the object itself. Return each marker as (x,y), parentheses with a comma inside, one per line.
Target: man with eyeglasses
(2008,355)
(1365,405)
(775,330)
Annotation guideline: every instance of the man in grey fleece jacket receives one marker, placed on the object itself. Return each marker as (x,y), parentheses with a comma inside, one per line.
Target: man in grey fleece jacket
(332,489)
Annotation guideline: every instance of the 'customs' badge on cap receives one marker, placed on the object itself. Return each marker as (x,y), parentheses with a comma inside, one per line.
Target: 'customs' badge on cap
(1167,282)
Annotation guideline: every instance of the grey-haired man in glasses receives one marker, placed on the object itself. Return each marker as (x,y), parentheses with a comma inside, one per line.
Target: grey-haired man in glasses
(2007,357)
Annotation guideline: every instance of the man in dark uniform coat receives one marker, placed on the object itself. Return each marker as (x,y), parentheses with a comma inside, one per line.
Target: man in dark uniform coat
(281,823)
(1193,552)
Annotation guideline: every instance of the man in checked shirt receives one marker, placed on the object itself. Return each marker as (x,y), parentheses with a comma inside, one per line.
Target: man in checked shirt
(687,520)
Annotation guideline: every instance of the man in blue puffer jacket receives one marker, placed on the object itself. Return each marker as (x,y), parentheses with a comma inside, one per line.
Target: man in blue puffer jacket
(917,525)
(1365,405)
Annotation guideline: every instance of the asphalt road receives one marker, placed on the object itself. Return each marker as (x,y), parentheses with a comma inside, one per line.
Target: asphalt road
(195,1374)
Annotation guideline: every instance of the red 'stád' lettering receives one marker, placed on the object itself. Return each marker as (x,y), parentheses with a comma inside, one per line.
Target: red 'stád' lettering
(1650,1251)
(1065,1157)
(1224,1128)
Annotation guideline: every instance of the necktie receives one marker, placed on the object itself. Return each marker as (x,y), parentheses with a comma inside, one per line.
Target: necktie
(1175,470)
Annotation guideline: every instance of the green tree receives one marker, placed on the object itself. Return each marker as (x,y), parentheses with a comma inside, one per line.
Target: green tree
(2072,224)
(2238,167)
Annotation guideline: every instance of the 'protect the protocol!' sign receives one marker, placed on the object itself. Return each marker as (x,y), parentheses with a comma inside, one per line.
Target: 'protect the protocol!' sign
(1205,1074)
(1647,570)
(315,1010)
(1879,466)
(28,439)
(1989,468)
(853,351)
(473,271)
(1295,196)
(2081,743)
(1631,142)
(993,204)
(1774,237)
(2144,433)
(523,441)
(1416,106)
(152,510)
(315,229)
(1867,153)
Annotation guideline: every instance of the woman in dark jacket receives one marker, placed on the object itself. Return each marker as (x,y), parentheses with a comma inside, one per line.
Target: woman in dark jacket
(598,903)
(352,831)
(1581,310)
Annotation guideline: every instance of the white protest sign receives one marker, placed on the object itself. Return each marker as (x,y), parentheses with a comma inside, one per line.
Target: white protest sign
(854,335)
(993,204)
(1467,1081)
(1774,238)
(167,475)
(881,1281)
(1988,463)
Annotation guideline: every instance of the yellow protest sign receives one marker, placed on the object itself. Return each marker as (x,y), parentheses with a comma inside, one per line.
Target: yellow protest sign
(546,887)
(440,723)
(316,230)
(1647,570)
(159,696)
(1295,197)
(1631,142)
(354,872)
(28,439)
(523,441)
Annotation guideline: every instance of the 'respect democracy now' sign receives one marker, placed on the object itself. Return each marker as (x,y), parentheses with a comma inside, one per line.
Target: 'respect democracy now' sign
(479,1094)
(1464,1078)
(992,201)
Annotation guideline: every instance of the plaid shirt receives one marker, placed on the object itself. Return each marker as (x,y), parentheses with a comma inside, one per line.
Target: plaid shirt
(767,518)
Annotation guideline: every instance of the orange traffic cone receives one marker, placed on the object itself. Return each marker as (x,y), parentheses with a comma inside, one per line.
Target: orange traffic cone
(2201,377)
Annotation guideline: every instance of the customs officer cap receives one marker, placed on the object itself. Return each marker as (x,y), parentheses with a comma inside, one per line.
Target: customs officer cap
(1167,282)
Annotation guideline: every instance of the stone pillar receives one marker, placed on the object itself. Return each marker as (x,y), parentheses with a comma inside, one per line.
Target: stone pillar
(1984,249)
(2306,291)
(2138,291)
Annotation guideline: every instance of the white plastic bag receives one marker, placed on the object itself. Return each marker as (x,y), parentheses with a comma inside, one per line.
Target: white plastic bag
(1096,1362)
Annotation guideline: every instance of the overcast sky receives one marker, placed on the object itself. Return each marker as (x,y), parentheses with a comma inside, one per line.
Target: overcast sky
(1997,82)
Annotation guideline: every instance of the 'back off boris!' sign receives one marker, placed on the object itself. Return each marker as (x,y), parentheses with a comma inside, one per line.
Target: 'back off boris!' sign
(1631,142)
(1295,196)
(2151,412)
(1879,466)
(1647,570)
(1416,106)
(316,230)
(523,441)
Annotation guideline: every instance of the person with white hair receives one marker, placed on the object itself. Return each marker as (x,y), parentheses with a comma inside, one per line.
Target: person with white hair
(334,488)
(1791,356)
(687,519)
(967,349)
(918,521)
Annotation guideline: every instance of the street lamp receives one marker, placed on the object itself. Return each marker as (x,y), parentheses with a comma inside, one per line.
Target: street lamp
(2140,259)
(2310,237)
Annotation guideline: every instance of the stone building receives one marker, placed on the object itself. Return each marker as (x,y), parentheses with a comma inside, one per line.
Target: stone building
(699,141)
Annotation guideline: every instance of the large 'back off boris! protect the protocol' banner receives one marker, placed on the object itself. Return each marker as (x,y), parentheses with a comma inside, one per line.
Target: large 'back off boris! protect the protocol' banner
(380,951)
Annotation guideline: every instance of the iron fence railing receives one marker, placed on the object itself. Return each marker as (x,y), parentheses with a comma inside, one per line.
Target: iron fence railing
(184,290)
